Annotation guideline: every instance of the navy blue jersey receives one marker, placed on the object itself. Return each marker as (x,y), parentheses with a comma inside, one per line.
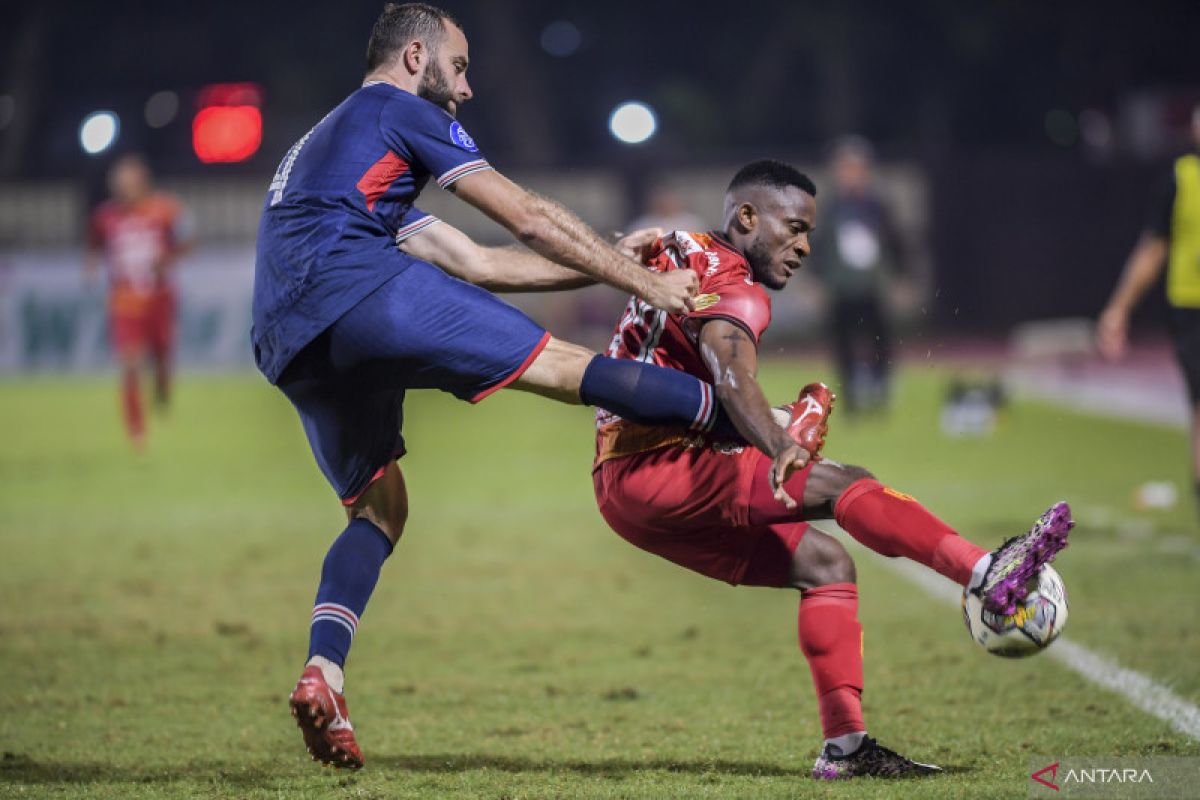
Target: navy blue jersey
(340,202)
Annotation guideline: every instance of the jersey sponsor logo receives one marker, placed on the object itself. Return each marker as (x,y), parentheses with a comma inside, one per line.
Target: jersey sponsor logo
(460,137)
(714,263)
(703,301)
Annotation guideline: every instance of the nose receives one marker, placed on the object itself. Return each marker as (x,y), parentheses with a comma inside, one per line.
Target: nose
(802,246)
(464,89)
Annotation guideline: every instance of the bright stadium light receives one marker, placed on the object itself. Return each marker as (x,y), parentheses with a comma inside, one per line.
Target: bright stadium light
(98,132)
(632,122)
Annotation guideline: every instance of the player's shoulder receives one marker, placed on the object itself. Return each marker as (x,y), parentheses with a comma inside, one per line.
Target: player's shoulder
(713,257)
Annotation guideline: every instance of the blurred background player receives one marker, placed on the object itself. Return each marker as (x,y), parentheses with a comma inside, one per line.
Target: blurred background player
(139,234)
(1171,236)
(713,506)
(859,253)
(665,209)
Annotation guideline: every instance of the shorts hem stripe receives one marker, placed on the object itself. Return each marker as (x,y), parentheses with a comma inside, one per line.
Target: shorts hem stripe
(518,372)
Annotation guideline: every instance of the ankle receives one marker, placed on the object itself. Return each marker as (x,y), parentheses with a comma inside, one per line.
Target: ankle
(846,744)
(332,672)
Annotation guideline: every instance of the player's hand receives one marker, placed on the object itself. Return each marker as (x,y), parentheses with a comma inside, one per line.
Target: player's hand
(672,291)
(789,461)
(636,244)
(1112,334)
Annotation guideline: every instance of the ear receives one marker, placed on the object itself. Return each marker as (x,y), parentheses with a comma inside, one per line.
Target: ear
(414,57)
(747,217)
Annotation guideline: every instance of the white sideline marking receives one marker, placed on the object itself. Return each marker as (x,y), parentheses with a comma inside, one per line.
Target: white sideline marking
(1141,691)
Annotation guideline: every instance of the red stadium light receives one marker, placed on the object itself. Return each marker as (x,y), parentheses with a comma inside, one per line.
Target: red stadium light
(228,127)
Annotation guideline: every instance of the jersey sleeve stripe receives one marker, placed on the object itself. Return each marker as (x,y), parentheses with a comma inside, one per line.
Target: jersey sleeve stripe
(462,170)
(413,228)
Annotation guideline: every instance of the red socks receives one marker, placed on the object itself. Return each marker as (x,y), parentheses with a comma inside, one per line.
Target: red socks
(131,402)
(893,524)
(831,640)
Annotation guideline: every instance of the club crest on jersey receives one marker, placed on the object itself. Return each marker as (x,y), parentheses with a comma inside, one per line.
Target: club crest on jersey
(460,137)
(703,301)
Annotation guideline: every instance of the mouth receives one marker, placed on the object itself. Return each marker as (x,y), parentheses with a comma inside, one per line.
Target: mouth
(791,266)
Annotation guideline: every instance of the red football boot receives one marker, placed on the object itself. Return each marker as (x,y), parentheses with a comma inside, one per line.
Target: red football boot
(810,418)
(321,714)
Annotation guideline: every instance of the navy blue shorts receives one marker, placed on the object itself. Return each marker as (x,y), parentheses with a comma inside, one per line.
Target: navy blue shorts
(421,330)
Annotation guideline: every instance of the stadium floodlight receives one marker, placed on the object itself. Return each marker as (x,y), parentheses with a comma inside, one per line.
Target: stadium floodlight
(161,109)
(228,126)
(632,122)
(561,38)
(98,132)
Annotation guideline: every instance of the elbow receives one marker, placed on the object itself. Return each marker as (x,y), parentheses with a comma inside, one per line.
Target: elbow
(528,224)
(529,230)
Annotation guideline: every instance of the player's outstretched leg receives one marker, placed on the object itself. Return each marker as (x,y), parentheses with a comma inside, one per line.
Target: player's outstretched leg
(894,524)
(831,640)
(639,392)
(348,578)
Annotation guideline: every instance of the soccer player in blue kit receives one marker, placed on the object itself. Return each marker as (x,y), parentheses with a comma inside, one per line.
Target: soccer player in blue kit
(349,313)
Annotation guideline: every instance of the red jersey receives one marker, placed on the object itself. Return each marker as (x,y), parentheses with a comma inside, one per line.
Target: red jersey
(135,240)
(727,291)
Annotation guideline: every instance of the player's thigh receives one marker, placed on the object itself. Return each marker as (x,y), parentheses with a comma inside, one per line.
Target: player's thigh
(162,325)
(424,329)
(353,426)
(679,504)
(127,331)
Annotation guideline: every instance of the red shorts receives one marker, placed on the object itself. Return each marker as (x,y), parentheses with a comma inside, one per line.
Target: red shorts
(145,325)
(711,511)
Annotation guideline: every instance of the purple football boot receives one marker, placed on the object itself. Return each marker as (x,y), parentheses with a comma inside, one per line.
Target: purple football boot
(1018,560)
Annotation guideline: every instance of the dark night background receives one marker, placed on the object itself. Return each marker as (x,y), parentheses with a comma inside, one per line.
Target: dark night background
(1043,128)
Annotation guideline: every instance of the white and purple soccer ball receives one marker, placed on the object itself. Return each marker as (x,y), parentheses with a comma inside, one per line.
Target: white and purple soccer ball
(1038,621)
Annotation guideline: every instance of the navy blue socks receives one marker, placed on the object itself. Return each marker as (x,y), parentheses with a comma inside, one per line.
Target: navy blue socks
(652,395)
(348,577)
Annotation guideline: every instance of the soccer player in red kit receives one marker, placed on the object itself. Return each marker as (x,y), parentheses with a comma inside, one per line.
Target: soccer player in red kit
(139,234)
(716,507)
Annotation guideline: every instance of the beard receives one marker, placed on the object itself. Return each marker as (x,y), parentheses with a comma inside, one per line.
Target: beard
(436,89)
(760,259)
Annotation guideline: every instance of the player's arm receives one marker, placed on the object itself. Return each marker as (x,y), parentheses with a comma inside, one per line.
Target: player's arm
(498,269)
(1141,271)
(732,357)
(182,240)
(552,231)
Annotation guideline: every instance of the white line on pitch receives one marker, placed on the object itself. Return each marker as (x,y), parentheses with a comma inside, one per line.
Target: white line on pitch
(1141,691)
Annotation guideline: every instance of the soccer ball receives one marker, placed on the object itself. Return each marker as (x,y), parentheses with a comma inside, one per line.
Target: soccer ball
(1039,619)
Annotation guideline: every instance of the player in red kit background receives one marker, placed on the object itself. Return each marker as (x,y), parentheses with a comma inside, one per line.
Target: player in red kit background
(719,508)
(139,235)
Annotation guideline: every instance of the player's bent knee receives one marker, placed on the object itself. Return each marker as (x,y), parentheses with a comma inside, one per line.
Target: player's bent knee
(853,474)
(820,560)
(384,504)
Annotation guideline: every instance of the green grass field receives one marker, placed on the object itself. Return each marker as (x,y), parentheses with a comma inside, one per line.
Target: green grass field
(154,610)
